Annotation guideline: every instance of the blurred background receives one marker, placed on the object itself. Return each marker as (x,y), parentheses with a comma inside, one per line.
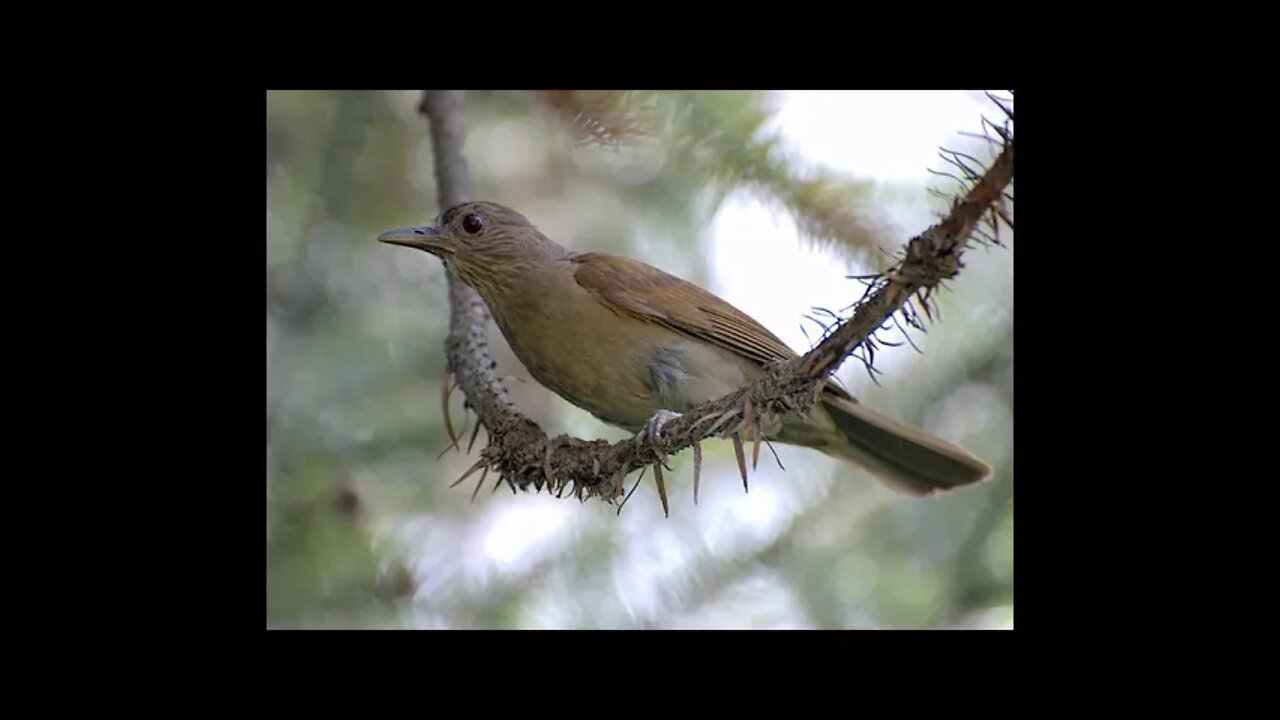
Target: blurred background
(769,199)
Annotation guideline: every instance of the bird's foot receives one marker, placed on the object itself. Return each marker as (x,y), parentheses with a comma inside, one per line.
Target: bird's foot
(653,435)
(653,428)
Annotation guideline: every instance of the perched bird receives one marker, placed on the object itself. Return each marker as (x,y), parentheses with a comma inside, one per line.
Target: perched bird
(635,346)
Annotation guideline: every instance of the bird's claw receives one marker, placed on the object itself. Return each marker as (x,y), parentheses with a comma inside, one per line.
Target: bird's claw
(653,428)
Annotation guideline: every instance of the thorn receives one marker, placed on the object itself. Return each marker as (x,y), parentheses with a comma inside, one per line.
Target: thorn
(775,455)
(727,416)
(1002,131)
(633,489)
(815,321)
(480,483)
(995,227)
(708,418)
(468,473)
(986,123)
(966,156)
(616,481)
(976,136)
(497,484)
(1008,221)
(996,129)
(697,469)
(916,322)
(474,433)
(662,488)
(755,447)
(742,463)
(445,389)
(946,175)
(970,173)
(1000,104)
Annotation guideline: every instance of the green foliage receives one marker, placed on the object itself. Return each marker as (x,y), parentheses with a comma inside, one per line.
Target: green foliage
(720,141)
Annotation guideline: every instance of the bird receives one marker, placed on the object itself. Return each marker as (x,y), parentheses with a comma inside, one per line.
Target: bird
(635,346)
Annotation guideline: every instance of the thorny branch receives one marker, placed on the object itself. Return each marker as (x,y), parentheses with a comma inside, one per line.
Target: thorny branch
(522,454)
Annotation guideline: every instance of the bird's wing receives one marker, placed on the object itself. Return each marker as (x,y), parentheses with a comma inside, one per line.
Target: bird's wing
(630,287)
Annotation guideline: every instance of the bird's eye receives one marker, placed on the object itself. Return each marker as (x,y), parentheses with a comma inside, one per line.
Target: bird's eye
(472,223)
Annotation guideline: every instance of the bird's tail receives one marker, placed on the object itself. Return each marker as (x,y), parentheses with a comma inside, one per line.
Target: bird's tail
(907,459)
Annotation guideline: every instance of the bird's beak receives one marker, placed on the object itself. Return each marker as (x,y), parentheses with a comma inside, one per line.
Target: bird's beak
(425,237)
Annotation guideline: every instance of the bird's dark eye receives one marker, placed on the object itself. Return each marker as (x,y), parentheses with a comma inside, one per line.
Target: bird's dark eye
(472,223)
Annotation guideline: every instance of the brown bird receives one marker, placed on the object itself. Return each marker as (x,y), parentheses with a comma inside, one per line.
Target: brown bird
(635,346)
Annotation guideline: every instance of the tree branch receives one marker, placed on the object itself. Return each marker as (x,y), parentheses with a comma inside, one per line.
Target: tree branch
(522,453)
(467,346)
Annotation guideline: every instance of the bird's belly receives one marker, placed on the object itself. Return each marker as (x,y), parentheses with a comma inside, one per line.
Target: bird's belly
(621,370)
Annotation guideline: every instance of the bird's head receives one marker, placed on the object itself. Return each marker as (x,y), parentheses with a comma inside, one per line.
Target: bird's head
(485,243)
